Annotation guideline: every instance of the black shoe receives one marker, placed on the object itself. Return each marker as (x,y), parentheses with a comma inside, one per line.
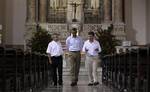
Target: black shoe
(55,84)
(73,84)
(95,83)
(60,83)
(90,84)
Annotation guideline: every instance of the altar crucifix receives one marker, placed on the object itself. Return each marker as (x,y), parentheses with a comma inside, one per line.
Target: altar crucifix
(75,5)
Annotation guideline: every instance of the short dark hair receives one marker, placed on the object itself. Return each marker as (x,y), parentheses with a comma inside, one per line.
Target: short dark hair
(91,33)
(74,29)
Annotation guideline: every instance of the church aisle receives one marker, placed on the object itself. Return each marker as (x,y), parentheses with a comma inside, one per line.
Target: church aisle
(81,87)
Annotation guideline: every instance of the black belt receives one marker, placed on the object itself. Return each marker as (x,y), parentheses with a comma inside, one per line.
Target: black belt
(92,55)
(56,56)
(74,51)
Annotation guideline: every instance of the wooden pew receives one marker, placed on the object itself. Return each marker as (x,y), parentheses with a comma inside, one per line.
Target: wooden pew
(128,71)
(5,83)
(142,68)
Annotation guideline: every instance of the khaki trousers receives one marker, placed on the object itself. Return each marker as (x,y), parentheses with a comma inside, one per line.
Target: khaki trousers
(74,59)
(92,65)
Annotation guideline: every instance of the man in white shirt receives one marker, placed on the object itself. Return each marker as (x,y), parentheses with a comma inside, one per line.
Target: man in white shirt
(92,49)
(54,51)
(74,45)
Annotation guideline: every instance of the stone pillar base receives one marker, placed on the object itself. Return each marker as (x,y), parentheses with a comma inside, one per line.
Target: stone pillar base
(119,31)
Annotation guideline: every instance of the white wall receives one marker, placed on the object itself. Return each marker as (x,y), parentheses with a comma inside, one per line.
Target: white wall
(139,21)
(19,17)
(15,22)
(148,21)
(8,37)
(128,21)
(136,21)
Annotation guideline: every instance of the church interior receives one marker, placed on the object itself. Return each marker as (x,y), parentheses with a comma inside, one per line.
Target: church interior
(125,69)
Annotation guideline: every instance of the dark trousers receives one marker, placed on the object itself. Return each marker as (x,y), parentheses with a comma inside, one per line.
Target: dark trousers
(57,68)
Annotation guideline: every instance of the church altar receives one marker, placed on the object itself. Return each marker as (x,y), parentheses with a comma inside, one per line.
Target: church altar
(86,15)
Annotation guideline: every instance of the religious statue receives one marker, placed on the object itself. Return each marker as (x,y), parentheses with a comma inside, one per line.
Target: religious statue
(64,3)
(95,4)
(54,4)
(58,3)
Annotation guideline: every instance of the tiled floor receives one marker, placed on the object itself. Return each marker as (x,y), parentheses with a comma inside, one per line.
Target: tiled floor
(81,87)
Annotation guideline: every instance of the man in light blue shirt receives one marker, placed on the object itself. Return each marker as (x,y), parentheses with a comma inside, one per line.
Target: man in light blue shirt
(74,45)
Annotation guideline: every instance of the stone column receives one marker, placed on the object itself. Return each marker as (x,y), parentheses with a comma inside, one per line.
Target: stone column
(31,9)
(119,26)
(88,3)
(62,3)
(107,11)
(118,11)
(113,10)
(42,10)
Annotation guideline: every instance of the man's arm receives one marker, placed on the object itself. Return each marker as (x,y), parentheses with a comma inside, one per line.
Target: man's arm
(67,44)
(49,58)
(81,43)
(100,49)
(84,49)
(48,52)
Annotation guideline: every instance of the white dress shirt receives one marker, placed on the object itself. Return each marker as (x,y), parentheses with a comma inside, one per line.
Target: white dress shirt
(90,48)
(54,48)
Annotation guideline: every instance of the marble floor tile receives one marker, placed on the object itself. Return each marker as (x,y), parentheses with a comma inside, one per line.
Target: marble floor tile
(82,86)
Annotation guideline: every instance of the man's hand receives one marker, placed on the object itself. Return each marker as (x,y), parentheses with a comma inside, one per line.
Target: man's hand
(96,49)
(86,50)
(50,61)
(49,57)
